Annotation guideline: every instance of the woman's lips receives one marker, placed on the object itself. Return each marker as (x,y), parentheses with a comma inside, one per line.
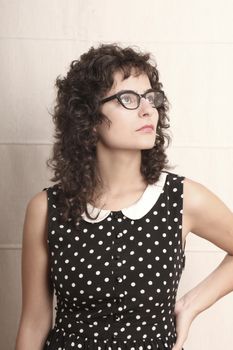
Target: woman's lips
(146,128)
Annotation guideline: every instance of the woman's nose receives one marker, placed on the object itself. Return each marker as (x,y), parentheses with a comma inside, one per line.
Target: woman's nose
(145,107)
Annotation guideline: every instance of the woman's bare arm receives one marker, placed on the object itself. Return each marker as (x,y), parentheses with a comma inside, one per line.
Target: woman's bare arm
(208,217)
(37,294)
(212,220)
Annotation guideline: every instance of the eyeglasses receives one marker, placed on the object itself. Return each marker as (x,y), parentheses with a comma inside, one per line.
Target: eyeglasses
(130,99)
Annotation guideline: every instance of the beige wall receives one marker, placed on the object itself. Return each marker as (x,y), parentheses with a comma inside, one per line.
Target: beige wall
(192,42)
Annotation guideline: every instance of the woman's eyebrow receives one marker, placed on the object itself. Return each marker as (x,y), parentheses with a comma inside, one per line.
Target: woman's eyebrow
(128,90)
(125,90)
(149,88)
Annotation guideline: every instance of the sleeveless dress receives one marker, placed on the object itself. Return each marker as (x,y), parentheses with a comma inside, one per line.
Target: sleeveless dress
(116,277)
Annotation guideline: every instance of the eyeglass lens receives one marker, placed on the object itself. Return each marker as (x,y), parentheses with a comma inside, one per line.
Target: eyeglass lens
(131,100)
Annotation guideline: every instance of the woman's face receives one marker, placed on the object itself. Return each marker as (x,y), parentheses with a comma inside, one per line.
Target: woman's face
(122,133)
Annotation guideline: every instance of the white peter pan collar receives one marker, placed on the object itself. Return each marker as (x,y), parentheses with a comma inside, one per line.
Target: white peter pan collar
(137,210)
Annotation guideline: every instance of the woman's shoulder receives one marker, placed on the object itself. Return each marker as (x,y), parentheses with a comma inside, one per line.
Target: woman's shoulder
(38,203)
(52,188)
(36,217)
(192,188)
(195,194)
(173,177)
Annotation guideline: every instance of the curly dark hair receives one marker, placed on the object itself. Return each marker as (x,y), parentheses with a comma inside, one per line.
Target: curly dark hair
(76,114)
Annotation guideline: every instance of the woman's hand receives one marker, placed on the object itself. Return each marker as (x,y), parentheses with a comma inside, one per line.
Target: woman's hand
(184,318)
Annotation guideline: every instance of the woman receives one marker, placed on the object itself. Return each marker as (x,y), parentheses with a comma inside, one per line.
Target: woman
(109,235)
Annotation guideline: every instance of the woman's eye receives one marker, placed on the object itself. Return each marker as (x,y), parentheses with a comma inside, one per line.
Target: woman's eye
(150,98)
(126,98)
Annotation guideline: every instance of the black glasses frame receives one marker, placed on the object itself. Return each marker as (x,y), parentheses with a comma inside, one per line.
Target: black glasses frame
(118,97)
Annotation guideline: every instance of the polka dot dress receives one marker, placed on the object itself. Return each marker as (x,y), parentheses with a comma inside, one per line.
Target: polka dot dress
(116,278)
